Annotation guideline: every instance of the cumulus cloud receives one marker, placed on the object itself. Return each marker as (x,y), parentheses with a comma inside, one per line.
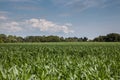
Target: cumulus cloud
(11,27)
(33,24)
(45,25)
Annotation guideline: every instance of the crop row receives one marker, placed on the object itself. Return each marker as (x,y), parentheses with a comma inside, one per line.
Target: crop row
(60,62)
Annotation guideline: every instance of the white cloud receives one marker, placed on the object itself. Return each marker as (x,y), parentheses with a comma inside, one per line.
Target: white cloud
(3,17)
(10,27)
(33,24)
(83,4)
(68,24)
(45,25)
(4,12)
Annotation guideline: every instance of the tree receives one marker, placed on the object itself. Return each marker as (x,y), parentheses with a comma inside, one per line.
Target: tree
(71,39)
(20,39)
(1,41)
(85,39)
(52,39)
(3,37)
(11,38)
(62,39)
(100,39)
(111,37)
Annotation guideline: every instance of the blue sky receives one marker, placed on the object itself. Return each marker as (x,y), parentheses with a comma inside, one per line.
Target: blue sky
(65,18)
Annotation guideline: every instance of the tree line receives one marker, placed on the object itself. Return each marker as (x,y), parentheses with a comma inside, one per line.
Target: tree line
(12,39)
(112,37)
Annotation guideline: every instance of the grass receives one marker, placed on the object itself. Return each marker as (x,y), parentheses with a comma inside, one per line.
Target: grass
(60,61)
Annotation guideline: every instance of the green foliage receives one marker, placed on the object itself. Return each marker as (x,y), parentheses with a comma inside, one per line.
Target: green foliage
(51,38)
(112,37)
(1,41)
(60,61)
(2,38)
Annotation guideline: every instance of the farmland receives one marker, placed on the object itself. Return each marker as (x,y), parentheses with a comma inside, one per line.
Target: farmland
(60,61)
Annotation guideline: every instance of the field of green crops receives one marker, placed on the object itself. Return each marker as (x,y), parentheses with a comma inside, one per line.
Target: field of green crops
(60,61)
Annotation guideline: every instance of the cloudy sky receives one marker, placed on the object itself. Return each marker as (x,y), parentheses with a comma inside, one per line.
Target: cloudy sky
(79,18)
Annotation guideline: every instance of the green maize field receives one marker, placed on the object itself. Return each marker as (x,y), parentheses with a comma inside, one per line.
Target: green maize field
(60,61)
